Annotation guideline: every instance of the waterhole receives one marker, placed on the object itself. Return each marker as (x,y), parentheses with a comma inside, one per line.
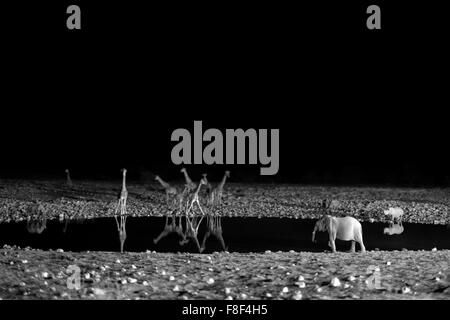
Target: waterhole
(162,234)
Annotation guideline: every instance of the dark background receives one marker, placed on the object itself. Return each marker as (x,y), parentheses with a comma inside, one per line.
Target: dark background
(353,106)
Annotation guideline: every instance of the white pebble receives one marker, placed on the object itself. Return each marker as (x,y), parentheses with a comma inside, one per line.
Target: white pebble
(210,281)
(335,282)
(285,290)
(227,291)
(297,295)
(229,298)
(171,278)
(99,292)
(406,290)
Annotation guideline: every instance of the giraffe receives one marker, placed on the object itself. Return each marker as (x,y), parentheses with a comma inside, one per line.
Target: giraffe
(122,208)
(183,200)
(191,185)
(193,223)
(170,228)
(170,191)
(195,199)
(68,180)
(214,227)
(215,197)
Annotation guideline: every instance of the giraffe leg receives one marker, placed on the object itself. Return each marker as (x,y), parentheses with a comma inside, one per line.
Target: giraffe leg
(205,237)
(190,208)
(199,223)
(222,242)
(161,235)
(117,208)
(194,237)
(117,223)
(200,207)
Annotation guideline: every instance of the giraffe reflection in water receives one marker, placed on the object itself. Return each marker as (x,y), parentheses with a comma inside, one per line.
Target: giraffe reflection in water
(191,207)
(214,228)
(172,227)
(190,231)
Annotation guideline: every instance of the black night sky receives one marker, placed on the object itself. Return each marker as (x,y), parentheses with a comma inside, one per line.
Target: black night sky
(352,107)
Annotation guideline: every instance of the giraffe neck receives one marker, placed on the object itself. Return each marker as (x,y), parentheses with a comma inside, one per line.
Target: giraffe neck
(124,187)
(222,183)
(198,189)
(163,183)
(188,180)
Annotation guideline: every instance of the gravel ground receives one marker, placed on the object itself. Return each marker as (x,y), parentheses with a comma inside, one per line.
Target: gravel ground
(36,274)
(89,199)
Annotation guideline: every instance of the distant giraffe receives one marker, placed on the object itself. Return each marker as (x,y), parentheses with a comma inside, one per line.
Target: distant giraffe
(215,197)
(191,185)
(170,228)
(214,227)
(122,208)
(68,180)
(170,191)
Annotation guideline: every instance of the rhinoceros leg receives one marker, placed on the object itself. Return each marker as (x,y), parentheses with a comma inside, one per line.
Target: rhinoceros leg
(361,244)
(352,248)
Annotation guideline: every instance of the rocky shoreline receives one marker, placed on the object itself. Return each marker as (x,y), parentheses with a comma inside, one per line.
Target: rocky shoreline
(21,199)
